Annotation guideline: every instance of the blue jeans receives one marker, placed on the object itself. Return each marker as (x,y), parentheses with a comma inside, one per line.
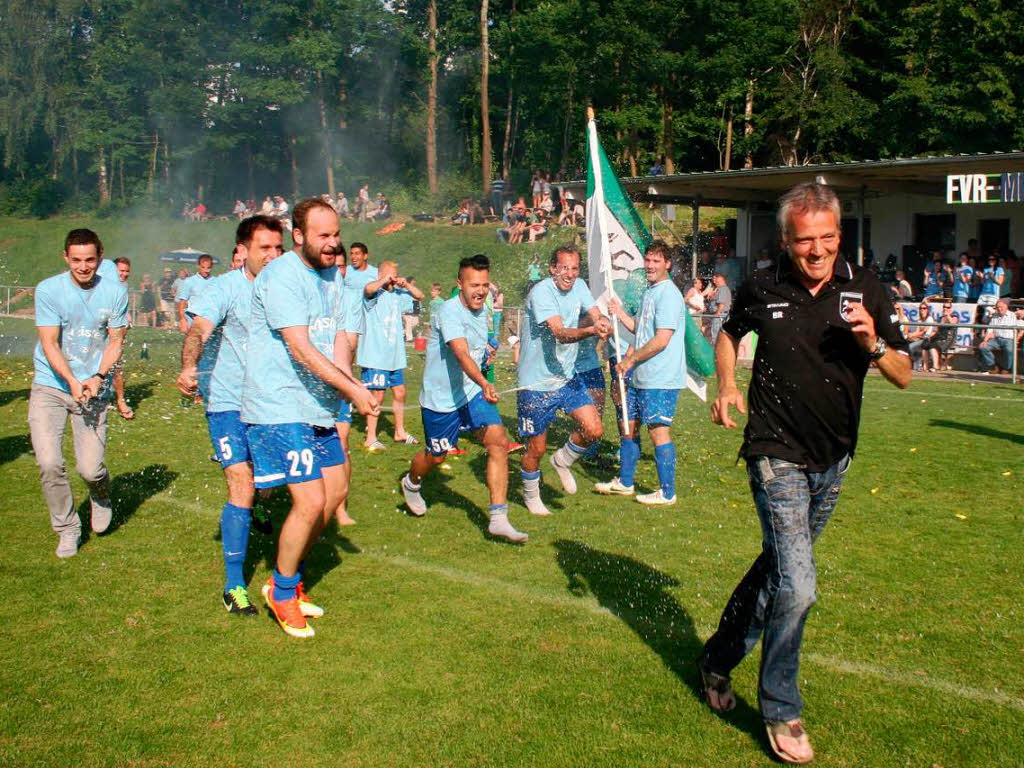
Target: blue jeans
(986,352)
(775,596)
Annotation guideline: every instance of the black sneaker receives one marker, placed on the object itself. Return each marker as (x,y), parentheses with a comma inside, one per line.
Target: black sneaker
(237,601)
(261,522)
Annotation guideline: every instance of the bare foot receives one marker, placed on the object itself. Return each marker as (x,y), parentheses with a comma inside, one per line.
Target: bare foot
(343,518)
(125,410)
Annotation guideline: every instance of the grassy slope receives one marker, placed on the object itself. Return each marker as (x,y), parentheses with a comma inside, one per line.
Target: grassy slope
(443,648)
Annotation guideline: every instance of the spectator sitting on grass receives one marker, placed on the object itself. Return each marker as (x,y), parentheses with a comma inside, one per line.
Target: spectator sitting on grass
(917,335)
(941,343)
(461,217)
(1002,336)
(536,226)
(515,222)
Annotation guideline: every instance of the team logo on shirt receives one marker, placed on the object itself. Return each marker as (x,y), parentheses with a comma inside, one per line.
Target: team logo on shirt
(847,300)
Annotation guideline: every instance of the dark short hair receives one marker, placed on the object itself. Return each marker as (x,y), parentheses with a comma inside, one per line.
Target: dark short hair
(659,246)
(247,228)
(553,261)
(477,261)
(360,246)
(123,260)
(301,211)
(205,257)
(83,237)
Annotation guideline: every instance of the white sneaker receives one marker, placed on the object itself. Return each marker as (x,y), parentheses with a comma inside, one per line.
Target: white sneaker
(536,507)
(68,545)
(614,487)
(655,499)
(413,499)
(564,474)
(502,529)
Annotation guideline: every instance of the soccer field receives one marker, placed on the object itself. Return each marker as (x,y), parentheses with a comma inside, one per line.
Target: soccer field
(441,647)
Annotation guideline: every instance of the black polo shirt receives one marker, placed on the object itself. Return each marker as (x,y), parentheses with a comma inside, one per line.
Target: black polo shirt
(808,377)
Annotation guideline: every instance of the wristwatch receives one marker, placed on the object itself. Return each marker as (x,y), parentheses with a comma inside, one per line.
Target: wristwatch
(880,349)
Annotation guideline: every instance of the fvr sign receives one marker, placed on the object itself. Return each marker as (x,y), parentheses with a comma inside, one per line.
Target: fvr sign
(985,188)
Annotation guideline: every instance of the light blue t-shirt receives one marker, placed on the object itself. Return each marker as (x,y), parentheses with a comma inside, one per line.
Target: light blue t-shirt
(989,285)
(108,268)
(446,387)
(83,316)
(226,301)
(544,364)
(382,343)
(191,287)
(586,355)
(355,282)
(278,389)
(662,306)
(408,302)
(962,289)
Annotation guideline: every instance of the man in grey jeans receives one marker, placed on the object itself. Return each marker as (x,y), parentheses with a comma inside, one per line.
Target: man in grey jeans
(81,317)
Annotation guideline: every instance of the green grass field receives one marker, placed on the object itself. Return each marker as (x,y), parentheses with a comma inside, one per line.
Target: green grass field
(441,647)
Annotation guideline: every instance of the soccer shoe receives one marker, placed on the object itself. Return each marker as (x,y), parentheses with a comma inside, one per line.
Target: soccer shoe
(413,500)
(309,609)
(236,600)
(287,613)
(564,474)
(375,447)
(655,499)
(614,487)
(68,544)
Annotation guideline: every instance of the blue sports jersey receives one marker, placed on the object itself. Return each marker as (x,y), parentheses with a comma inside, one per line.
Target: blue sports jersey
(355,282)
(961,290)
(191,287)
(662,306)
(382,343)
(279,390)
(226,301)
(107,268)
(83,316)
(446,387)
(989,284)
(544,364)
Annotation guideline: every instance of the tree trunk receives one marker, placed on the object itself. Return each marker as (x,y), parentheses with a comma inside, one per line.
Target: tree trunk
(728,142)
(485,120)
(120,176)
(151,177)
(748,124)
(328,155)
(295,168)
(104,187)
(74,171)
(432,98)
(199,188)
(567,129)
(250,163)
(668,139)
(506,144)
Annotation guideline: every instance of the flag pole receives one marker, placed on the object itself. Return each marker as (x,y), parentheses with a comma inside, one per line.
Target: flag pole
(595,163)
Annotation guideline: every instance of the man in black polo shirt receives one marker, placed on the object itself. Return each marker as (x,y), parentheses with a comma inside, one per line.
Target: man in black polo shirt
(820,322)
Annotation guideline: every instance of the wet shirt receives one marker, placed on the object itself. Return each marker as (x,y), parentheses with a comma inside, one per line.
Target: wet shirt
(191,287)
(662,306)
(544,364)
(446,387)
(382,344)
(586,355)
(808,378)
(226,302)
(355,282)
(278,389)
(83,316)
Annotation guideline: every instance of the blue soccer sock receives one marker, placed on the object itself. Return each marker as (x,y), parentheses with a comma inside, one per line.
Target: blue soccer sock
(665,459)
(629,455)
(284,586)
(234,540)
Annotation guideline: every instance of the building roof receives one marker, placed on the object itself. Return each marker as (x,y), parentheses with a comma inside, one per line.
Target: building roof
(914,175)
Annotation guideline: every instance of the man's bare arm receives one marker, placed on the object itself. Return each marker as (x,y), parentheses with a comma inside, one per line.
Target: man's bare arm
(460,348)
(726,352)
(191,349)
(296,338)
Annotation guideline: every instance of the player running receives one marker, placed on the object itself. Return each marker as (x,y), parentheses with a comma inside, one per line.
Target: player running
(80,319)
(213,358)
(190,287)
(381,353)
(657,364)
(456,395)
(547,373)
(290,399)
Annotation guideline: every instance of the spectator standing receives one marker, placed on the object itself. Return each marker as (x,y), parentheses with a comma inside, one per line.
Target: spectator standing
(1005,290)
(166,289)
(363,202)
(435,299)
(695,299)
(719,306)
(535,187)
(962,279)
(992,279)
(342,205)
(148,301)
(933,278)
(902,289)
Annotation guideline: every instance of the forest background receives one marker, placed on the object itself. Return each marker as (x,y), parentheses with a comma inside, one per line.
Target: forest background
(114,103)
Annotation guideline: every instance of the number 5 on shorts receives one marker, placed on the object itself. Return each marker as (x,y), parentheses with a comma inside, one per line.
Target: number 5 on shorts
(305,456)
(225,448)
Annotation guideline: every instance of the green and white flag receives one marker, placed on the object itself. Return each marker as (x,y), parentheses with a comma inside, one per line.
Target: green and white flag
(616,241)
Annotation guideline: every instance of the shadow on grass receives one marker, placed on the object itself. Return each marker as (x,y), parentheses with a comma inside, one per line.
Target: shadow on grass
(637,594)
(10,395)
(129,491)
(979,429)
(13,447)
(137,393)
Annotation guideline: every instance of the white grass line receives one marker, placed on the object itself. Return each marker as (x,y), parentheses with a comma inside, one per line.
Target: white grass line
(857,668)
(995,399)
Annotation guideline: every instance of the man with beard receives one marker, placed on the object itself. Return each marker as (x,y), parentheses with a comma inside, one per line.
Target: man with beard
(213,359)
(456,396)
(290,399)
